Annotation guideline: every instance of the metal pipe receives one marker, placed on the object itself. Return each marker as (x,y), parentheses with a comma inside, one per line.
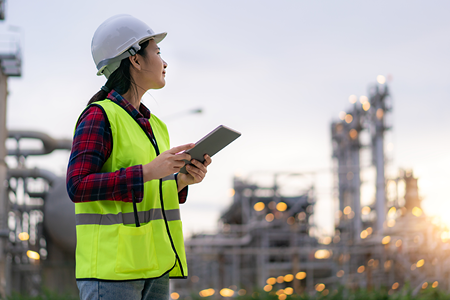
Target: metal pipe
(49,144)
(32,173)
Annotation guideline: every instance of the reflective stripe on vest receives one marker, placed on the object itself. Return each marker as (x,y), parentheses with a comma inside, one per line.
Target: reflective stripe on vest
(109,245)
(126,218)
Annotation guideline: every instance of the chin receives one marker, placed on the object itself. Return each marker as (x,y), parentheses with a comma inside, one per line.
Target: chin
(160,85)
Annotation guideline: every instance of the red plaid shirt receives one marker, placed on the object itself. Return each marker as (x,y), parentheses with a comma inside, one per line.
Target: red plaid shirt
(91,147)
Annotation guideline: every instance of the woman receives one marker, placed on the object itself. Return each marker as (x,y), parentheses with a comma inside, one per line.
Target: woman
(122,174)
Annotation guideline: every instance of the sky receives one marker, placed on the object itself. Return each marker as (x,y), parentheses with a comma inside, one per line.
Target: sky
(277,71)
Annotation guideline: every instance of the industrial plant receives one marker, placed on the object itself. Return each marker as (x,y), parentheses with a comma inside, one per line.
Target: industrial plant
(267,240)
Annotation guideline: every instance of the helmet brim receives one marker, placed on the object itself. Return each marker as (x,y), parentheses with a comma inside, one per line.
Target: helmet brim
(156,37)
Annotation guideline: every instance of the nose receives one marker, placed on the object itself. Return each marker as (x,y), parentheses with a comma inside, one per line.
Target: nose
(164,63)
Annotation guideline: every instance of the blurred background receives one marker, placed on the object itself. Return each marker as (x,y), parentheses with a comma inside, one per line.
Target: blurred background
(285,74)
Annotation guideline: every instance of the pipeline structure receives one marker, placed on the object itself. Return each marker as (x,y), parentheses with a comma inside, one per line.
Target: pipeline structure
(267,242)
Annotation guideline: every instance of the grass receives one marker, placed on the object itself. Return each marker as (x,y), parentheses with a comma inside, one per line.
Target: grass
(345,294)
(341,294)
(46,295)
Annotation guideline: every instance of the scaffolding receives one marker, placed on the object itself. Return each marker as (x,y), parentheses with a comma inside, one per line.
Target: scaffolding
(267,240)
(263,234)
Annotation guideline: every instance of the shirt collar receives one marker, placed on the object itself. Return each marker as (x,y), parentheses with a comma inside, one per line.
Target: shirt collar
(143,111)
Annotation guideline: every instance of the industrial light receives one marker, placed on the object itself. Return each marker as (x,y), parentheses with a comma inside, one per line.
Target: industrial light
(226,292)
(391,223)
(288,277)
(268,288)
(288,291)
(281,206)
(352,99)
(417,211)
(435,284)
(381,79)
(369,230)
(347,210)
(365,210)
(24,236)
(33,255)
(259,206)
(395,286)
(271,281)
(242,292)
(174,296)
(353,134)
(392,211)
(280,279)
(320,287)
(282,297)
(364,234)
(424,285)
(398,243)
(326,240)
(300,275)
(361,269)
(340,273)
(269,217)
(322,254)
(207,292)
(366,105)
(280,292)
(348,118)
(420,263)
(342,115)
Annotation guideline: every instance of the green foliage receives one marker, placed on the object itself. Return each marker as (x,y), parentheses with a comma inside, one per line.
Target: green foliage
(46,295)
(342,293)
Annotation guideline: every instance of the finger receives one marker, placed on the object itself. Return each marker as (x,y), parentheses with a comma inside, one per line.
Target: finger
(178,149)
(178,164)
(199,165)
(182,156)
(196,173)
(208,160)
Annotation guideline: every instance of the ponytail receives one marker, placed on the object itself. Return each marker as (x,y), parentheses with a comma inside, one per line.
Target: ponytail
(120,80)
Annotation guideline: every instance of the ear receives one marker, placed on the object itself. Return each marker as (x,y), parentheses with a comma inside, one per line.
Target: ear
(135,61)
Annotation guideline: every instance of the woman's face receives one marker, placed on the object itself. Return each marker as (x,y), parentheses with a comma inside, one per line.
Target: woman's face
(153,67)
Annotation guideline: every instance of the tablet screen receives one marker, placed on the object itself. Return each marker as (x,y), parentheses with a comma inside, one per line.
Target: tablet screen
(212,143)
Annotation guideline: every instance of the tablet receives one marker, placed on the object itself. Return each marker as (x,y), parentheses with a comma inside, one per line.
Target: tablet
(211,143)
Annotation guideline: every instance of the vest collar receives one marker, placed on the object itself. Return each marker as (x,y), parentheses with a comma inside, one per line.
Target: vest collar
(143,111)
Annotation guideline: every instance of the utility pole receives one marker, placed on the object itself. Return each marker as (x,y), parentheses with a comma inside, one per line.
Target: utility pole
(10,65)
(4,202)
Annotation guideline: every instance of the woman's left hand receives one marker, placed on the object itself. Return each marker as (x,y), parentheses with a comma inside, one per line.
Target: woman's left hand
(196,173)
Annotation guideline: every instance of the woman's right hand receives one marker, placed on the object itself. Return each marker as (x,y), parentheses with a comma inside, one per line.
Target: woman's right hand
(167,163)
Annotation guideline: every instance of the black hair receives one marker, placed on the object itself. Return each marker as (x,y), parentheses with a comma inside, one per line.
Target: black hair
(120,80)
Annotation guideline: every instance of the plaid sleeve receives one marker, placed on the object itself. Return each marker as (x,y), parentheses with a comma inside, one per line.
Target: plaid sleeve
(91,147)
(182,195)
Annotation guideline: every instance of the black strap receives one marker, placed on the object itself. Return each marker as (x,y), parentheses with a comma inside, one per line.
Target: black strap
(136,217)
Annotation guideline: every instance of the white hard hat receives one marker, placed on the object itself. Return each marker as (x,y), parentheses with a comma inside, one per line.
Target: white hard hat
(117,38)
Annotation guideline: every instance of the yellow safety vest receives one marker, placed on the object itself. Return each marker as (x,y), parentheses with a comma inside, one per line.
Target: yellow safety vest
(109,245)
